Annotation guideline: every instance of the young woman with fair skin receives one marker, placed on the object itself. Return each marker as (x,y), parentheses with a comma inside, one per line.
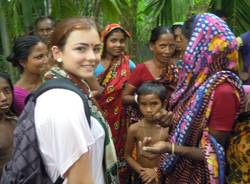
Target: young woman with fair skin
(7,120)
(29,55)
(70,147)
(151,99)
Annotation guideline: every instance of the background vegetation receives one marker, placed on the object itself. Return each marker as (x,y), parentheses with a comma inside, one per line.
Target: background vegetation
(138,16)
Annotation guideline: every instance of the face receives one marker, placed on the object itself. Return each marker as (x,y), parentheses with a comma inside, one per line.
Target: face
(81,52)
(164,48)
(115,43)
(44,30)
(37,59)
(149,105)
(180,39)
(6,96)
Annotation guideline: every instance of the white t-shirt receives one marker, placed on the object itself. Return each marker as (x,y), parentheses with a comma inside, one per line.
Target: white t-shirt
(64,134)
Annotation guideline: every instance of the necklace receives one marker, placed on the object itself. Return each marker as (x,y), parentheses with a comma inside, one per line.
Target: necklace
(144,132)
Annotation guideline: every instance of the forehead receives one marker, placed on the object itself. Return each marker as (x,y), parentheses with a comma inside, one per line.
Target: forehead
(86,36)
(117,33)
(39,47)
(166,37)
(3,83)
(149,97)
(46,23)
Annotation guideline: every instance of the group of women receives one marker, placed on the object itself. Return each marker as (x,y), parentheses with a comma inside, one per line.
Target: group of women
(198,90)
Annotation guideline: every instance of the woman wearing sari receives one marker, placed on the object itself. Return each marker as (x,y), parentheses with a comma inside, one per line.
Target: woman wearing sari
(160,68)
(112,72)
(205,104)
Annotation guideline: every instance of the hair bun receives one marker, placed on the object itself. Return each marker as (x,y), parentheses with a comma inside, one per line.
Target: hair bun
(11,58)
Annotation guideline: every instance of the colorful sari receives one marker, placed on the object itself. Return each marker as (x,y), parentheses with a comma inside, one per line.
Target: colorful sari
(238,151)
(210,57)
(113,80)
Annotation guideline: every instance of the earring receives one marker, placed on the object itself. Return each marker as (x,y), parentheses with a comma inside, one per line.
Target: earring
(59,60)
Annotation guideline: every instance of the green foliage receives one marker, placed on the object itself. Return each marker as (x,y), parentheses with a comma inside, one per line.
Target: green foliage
(237,12)
(138,16)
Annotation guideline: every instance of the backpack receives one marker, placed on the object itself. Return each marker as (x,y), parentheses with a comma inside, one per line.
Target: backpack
(26,164)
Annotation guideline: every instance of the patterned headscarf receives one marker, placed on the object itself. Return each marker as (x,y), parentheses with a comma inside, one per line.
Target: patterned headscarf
(111,27)
(212,47)
(209,60)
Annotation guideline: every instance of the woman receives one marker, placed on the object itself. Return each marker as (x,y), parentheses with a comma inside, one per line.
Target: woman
(159,68)
(206,102)
(29,55)
(71,148)
(113,72)
(7,119)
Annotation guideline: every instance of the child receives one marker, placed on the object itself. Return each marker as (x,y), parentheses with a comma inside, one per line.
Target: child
(151,99)
(7,120)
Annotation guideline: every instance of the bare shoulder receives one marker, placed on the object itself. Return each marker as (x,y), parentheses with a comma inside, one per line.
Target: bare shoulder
(134,127)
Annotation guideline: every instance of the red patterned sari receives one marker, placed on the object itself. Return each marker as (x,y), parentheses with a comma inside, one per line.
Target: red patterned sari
(113,80)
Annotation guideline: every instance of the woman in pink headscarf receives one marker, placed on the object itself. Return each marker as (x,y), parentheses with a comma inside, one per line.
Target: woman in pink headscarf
(205,105)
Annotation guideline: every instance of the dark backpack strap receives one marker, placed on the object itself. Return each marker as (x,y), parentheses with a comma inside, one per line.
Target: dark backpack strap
(59,180)
(63,83)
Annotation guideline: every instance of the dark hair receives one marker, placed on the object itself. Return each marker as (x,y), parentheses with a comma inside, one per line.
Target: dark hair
(157,32)
(188,27)
(152,87)
(174,27)
(42,18)
(220,13)
(6,76)
(21,50)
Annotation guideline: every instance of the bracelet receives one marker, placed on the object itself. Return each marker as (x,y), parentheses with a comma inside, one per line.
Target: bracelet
(136,98)
(173,149)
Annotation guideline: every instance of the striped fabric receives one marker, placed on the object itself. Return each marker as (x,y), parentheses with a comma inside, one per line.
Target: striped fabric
(211,53)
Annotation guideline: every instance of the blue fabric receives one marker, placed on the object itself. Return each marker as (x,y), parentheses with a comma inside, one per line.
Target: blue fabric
(245,50)
(99,69)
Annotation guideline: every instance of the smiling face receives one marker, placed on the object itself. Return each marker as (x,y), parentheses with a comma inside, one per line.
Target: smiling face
(6,96)
(81,52)
(36,60)
(149,105)
(164,47)
(115,43)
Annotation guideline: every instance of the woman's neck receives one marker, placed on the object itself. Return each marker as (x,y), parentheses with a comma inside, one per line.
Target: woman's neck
(29,81)
(2,117)
(108,59)
(159,64)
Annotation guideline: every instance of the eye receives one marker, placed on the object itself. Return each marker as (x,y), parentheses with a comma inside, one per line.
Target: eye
(7,90)
(81,49)
(113,40)
(97,49)
(39,56)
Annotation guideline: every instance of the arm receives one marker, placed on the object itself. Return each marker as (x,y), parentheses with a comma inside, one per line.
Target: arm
(80,172)
(160,147)
(130,143)
(94,86)
(128,94)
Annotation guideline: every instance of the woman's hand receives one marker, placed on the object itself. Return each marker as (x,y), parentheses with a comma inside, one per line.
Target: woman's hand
(164,118)
(153,151)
